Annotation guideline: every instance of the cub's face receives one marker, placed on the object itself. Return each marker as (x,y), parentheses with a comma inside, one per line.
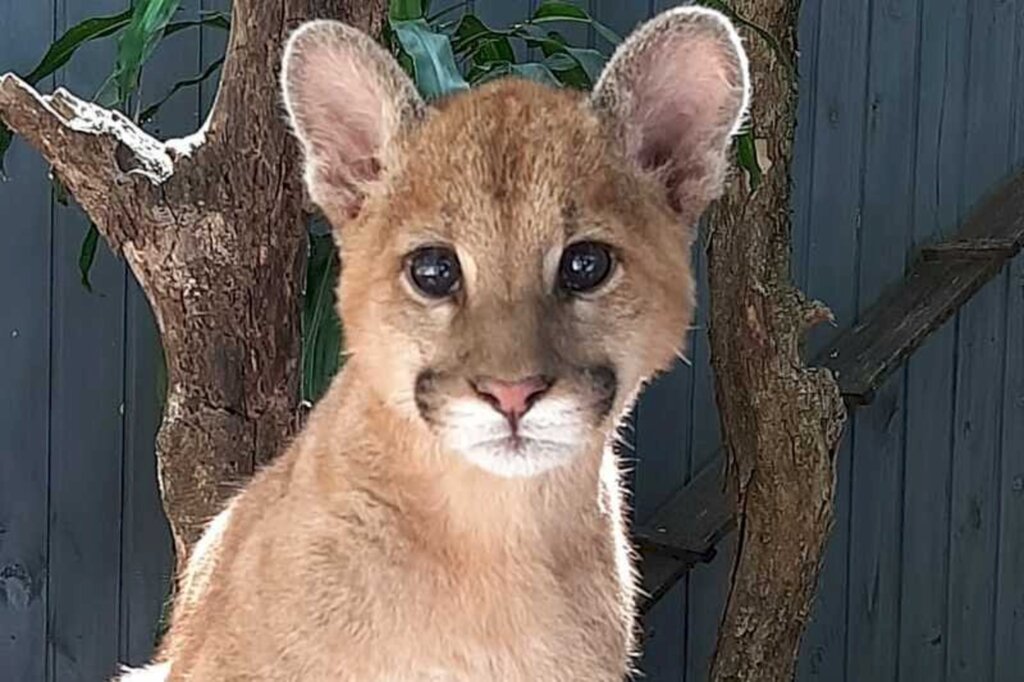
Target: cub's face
(516,258)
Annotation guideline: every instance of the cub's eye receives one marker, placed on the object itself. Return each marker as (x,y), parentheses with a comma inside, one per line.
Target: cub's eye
(584,266)
(435,271)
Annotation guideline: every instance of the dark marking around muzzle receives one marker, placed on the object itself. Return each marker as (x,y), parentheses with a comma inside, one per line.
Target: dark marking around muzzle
(425,394)
(605,384)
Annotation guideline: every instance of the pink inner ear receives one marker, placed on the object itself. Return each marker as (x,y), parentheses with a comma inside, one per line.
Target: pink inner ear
(685,101)
(342,116)
(683,88)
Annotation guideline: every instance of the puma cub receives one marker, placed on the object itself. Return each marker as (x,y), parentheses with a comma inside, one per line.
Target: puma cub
(516,264)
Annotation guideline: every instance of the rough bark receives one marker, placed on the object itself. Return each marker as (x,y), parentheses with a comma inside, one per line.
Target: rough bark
(213,227)
(781,420)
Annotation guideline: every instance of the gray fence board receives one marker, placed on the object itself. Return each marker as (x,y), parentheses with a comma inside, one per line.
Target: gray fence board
(930,383)
(212,42)
(831,255)
(86,415)
(1009,601)
(1009,614)
(975,498)
(24,373)
(877,466)
(975,490)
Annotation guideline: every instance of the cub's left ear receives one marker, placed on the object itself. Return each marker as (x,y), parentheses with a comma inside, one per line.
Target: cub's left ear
(674,93)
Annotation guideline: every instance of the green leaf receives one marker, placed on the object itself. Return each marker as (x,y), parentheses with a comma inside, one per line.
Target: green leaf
(746,157)
(321,329)
(589,62)
(574,78)
(64,47)
(469,31)
(560,62)
(150,111)
(140,38)
(550,11)
(87,254)
(497,49)
(406,10)
(433,62)
(58,55)
(210,19)
(481,73)
(606,33)
(535,71)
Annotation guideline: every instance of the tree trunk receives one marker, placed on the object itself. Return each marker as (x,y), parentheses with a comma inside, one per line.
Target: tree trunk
(781,420)
(213,226)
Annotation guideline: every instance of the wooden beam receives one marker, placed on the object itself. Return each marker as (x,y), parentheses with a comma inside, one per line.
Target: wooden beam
(977,248)
(944,278)
(684,532)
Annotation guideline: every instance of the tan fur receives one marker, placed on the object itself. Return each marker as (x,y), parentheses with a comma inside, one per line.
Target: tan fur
(370,550)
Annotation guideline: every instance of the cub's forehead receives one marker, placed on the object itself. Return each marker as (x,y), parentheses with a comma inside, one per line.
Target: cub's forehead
(512,154)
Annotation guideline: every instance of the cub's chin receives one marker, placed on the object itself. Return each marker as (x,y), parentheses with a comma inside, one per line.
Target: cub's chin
(552,434)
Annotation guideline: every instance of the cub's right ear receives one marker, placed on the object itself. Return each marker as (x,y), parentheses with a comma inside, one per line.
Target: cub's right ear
(347,99)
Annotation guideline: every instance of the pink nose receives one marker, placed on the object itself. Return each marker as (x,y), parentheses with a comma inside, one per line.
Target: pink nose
(512,398)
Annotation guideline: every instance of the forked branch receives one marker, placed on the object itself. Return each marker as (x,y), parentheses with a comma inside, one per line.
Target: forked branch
(106,161)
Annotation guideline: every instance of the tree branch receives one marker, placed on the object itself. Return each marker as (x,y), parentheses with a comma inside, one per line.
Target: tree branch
(105,160)
(781,420)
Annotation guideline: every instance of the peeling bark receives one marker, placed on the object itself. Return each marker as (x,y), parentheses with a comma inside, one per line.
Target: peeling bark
(781,420)
(213,227)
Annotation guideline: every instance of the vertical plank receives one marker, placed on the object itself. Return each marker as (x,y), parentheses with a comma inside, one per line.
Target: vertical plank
(873,583)
(707,584)
(975,499)
(212,43)
(802,169)
(1009,616)
(25,263)
(147,554)
(930,372)
(974,502)
(832,248)
(1009,605)
(146,547)
(86,422)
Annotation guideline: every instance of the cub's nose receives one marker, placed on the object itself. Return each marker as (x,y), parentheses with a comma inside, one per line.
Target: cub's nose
(512,398)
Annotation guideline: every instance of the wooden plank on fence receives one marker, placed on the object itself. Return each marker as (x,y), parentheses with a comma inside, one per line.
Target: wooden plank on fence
(1009,603)
(1009,595)
(876,435)
(936,287)
(86,419)
(930,386)
(830,252)
(981,351)
(25,369)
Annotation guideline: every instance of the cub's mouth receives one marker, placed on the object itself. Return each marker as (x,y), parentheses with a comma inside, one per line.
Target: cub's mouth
(520,427)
